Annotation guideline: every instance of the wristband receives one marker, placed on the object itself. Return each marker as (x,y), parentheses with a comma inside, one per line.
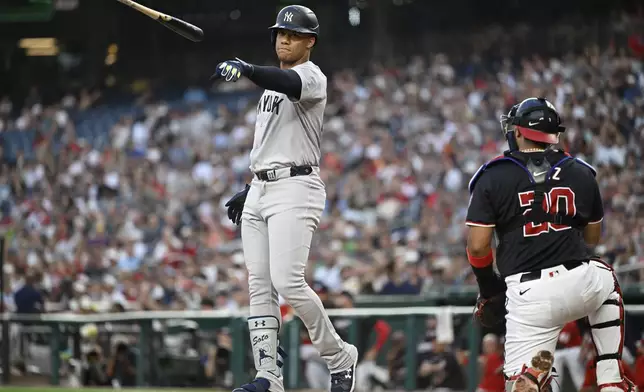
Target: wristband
(480,262)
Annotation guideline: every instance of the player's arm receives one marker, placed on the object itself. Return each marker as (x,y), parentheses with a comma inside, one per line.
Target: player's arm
(593,231)
(285,81)
(303,82)
(481,223)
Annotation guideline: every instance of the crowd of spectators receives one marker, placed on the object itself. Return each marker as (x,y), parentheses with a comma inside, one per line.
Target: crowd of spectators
(138,222)
(133,219)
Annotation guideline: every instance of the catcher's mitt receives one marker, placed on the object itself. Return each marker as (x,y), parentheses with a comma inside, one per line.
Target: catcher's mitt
(537,377)
(490,312)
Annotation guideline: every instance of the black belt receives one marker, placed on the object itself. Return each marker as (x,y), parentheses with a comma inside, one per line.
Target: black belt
(271,175)
(534,275)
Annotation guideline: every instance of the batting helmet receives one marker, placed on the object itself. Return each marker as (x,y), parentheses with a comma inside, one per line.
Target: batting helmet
(536,118)
(296,18)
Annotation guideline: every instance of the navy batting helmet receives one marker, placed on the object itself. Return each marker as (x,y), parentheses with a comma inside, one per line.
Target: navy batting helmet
(296,18)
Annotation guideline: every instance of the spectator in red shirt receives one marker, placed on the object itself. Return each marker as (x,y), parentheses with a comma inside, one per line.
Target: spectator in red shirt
(639,366)
(567,355)
(491,362)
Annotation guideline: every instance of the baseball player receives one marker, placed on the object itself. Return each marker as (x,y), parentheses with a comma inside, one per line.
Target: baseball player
(546,210)
(281,208)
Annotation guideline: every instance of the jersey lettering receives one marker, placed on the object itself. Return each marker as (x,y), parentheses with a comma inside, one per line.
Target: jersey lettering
(555,176)
(555,198)
(270,103)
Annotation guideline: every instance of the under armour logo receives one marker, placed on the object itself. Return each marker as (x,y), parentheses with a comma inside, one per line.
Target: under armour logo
(288,17)
(257,323)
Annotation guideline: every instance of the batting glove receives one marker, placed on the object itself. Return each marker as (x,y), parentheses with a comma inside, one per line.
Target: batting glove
(236,205)
(232,70)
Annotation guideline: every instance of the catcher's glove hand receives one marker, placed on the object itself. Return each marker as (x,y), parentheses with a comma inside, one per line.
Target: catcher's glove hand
(236,205)
(490,311)
(232,70)
(537,377)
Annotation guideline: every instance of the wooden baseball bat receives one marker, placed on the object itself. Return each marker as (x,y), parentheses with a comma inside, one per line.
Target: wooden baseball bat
(183,28)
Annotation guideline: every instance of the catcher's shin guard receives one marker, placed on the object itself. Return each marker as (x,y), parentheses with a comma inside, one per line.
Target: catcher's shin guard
(536,378)
(607,332)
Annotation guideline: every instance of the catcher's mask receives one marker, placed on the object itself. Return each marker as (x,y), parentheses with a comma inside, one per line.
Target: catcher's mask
(536,118)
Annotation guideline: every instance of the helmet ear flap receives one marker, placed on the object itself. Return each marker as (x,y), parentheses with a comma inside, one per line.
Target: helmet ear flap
(508,121)
(273,37)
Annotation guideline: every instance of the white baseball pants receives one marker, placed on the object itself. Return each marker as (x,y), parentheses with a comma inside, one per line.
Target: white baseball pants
(538,310)
(277,227)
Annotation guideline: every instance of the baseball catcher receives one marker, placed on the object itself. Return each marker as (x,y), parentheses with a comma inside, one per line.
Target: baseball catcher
(546,210)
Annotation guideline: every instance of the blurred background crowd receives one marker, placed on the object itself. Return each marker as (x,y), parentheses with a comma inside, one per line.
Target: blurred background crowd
(112,193)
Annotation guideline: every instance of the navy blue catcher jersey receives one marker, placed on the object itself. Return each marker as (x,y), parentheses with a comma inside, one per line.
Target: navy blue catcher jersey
(503,188)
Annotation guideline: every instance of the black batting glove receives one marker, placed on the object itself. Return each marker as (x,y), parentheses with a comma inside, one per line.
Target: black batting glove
(232,70)
(236,205)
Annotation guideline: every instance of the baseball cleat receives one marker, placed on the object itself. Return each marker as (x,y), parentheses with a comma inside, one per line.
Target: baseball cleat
(258,385)
(344,381)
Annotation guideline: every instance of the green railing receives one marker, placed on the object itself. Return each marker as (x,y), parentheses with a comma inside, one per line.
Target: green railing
(411,319)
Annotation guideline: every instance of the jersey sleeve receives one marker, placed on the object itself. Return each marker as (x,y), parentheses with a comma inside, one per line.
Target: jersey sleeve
(480,211)
(313,82)
(597,207)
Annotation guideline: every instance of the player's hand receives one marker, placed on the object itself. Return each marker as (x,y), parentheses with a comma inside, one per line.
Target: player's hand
(490,312)
(232,70)
(236,205)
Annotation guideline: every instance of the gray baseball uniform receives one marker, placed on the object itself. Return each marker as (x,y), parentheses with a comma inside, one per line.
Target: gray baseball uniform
(278,222)
(288,132)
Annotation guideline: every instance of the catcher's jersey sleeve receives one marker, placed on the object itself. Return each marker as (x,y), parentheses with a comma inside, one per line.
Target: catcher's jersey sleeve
(313,82)
(597,208)
(480,211)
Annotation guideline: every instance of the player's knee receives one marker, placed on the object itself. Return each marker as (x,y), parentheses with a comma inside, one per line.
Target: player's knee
(288,285)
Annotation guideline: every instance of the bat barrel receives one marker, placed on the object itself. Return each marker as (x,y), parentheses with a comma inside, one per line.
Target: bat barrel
(179,26)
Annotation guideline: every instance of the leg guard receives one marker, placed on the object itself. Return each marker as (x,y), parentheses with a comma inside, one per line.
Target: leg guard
(267,355)
(607,332)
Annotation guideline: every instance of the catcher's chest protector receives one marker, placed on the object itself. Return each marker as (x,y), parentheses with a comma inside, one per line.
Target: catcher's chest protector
(540,171)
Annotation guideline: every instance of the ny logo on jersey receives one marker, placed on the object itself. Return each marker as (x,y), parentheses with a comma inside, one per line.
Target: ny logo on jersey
(288,17)
(270,103)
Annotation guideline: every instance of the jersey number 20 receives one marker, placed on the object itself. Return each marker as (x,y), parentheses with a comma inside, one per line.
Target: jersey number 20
(553,203)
